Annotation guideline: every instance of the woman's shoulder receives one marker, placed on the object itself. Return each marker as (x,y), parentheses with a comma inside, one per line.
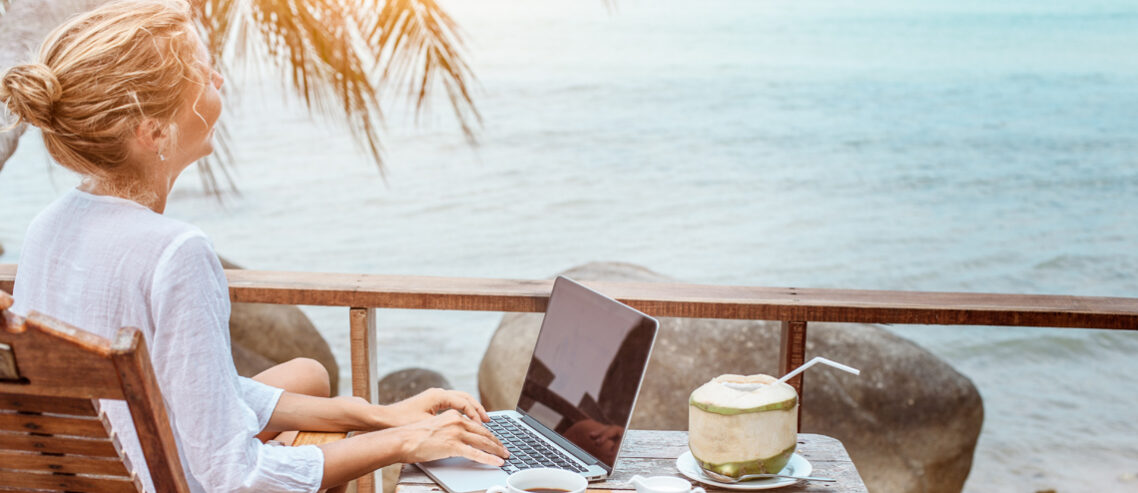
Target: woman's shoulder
(106,246)
(110,218)
(83,225)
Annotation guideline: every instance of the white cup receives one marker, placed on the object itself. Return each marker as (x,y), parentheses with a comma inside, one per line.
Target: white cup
(663,484)
(544,478)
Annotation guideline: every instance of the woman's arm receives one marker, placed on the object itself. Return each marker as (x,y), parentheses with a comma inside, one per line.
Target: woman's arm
(449,434)
(193,364)
(191,355)
(302,412)
(307,413)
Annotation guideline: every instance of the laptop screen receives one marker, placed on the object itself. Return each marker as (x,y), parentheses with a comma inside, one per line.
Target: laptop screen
(587,367)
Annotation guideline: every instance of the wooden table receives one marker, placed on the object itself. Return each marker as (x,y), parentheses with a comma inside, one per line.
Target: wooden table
(653,453)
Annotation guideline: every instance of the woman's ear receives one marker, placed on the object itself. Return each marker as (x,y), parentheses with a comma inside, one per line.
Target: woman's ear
(151,136)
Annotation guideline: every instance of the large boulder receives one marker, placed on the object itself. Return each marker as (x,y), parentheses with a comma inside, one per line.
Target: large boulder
(408,382)
(910,421)
(263,335)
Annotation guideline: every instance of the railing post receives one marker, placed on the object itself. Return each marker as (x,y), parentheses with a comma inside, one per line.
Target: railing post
(791,355)
(364,378)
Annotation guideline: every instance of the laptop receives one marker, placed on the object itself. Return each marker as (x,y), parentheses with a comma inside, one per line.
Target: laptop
(577,397)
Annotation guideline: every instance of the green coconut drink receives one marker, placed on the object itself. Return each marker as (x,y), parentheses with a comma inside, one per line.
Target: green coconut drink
(743,424)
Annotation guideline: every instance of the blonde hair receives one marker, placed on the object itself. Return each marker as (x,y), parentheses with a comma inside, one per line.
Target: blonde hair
(100,75)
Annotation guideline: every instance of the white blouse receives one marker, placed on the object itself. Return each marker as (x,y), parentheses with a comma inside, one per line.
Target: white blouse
(101,263)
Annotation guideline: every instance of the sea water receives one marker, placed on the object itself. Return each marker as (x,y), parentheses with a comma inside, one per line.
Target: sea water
(933,146)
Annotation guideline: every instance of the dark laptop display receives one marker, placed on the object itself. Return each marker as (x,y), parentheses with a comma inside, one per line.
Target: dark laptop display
(606,346)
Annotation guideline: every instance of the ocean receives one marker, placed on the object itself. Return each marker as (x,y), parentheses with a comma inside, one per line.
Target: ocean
(933,146)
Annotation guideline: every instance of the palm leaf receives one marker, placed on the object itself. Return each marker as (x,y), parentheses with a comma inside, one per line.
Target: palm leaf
(418,44)
(338,54)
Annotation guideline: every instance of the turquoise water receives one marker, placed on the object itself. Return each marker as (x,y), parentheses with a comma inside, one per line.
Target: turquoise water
(941,146)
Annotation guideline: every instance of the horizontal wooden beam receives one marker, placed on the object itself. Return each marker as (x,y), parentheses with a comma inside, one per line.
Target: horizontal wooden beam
(50,444)
(57,482)
(681,300)
(42,404)
(52,425)
(63,464)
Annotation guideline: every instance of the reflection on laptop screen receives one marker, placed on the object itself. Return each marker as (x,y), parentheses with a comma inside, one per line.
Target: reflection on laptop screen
(583,378)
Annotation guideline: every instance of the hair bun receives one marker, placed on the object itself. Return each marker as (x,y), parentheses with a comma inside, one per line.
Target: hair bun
(30,91)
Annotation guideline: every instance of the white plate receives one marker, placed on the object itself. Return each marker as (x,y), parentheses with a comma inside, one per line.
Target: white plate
(797,466)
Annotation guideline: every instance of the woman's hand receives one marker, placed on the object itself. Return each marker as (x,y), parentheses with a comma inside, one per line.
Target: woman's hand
(449,434)
(431,402)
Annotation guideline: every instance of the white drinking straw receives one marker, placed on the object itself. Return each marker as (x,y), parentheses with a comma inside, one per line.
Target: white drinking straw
(812,362)
(750,387)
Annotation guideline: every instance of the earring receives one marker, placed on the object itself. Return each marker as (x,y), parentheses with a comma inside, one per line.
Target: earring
(161,157)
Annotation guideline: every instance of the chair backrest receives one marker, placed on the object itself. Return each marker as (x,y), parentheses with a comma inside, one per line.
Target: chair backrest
(52,433)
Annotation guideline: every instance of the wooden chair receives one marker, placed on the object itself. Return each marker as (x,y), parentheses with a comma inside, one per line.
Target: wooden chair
(52,434)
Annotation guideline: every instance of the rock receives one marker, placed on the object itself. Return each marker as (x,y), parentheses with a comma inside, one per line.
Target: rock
(407,382)
(248,361)
(265,334)
(503,366)
(910,422)
(9,139)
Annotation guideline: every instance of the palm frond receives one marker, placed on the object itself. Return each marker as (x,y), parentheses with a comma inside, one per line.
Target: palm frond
(338,55)
(316,43)
(214,18)
(419,45)
(218,163)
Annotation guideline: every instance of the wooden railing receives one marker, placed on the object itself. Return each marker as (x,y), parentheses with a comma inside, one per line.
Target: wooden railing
(362,294)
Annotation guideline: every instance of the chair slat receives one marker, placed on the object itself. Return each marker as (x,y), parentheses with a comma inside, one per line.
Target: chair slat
(56,359)
(47,407)
(73,464)
(97,447)
(56,405)
(55,482)
(52,425)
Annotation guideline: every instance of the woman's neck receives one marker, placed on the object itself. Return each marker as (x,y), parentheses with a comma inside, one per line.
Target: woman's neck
(150,191)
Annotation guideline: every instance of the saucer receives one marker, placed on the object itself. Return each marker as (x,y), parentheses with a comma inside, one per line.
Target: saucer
(797,466)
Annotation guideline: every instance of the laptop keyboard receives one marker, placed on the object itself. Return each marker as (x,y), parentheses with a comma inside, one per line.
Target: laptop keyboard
(527,450)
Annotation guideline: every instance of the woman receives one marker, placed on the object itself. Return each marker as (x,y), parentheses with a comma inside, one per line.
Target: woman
(126,97)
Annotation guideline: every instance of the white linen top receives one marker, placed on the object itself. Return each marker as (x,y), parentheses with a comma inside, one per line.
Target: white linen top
(102,263)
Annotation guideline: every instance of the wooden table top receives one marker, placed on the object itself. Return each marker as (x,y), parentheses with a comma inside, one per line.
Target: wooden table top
(654,453)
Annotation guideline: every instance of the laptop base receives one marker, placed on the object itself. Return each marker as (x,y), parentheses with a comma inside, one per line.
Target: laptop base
(461,475)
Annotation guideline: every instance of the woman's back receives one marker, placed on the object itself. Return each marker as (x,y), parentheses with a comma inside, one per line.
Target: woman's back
(102,263)
(91,260)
